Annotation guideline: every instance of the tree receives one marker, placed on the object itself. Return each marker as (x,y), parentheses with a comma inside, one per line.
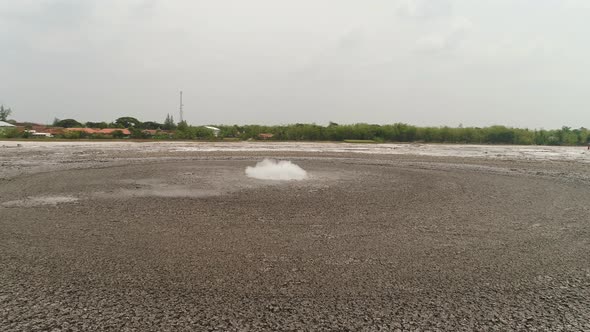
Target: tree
(10,133)
(128,122)
(136,133)
(4,113)
(68,123)
(151,125)
(118,134)
(101,125)
(169,123)
(182,125)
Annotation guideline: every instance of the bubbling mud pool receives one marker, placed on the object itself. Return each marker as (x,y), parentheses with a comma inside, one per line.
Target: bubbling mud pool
(270,169)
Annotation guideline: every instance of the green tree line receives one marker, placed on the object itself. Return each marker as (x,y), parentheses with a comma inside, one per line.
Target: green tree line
(400,132)
(122,122)
(397,132)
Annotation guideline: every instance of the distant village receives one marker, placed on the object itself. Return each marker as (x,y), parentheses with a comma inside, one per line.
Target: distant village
(132,128)
(31,130)
(124,127)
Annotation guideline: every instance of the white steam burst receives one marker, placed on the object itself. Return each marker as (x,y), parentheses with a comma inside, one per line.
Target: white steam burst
(270,169)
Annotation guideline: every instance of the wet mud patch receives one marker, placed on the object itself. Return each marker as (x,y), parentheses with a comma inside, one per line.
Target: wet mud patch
(191,179)
(39,201)
(158,187)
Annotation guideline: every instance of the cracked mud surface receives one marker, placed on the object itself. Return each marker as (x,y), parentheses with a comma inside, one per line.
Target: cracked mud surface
(128,240)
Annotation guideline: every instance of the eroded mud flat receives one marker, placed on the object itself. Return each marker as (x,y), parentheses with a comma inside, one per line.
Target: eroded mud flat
(175,236)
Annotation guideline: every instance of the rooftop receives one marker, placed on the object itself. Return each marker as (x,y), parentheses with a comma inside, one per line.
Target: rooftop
(5,124)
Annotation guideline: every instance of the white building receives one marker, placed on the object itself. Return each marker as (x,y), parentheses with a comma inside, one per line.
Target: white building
(34,133)
(214,129)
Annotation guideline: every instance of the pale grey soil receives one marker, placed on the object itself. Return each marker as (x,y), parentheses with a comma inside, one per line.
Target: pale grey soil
(183,241)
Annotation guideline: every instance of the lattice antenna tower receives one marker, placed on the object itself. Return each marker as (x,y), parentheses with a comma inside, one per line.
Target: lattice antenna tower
(181,110)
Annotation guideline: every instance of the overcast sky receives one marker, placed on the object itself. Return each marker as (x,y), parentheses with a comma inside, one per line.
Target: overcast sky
(519,63)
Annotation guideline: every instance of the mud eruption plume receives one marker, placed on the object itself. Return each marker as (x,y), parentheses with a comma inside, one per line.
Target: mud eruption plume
(270,169)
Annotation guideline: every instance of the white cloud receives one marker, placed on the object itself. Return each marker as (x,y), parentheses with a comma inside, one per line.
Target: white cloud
(446,37)
(268,61)
(425,9)
(576,4)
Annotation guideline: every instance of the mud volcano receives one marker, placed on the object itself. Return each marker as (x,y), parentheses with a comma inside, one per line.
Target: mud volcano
(363,244)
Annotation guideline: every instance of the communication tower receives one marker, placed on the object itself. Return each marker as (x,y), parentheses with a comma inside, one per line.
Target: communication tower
(181,111)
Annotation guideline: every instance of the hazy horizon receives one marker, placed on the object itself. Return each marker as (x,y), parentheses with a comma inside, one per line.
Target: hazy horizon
(423,62)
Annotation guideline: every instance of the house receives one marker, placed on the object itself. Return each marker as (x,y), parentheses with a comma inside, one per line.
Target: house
(44,131)
(6,125)
(110,131)
(55,131)
(150,132)
(214,129)
(88,131)
(34,133)
(265,136)
(106,131)
(41,135)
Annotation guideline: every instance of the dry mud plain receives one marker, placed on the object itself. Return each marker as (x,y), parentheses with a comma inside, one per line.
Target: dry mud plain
(114,236)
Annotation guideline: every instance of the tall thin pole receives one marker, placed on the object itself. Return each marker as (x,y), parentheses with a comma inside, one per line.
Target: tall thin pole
(181,105)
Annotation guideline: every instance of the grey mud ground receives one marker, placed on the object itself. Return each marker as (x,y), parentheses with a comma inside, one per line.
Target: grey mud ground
(94,238)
